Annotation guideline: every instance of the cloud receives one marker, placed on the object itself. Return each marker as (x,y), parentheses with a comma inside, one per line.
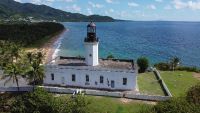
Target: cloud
(68,0)
(18,0)
(168,7)
(179,4)
(159,0)
(108,12)
(74,8)
(46,2)
(109,1)
(151,6)
(95,5)
(112,1)
(89,11)
(133,4)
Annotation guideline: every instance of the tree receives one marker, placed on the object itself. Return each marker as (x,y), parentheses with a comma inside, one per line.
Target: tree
(35,72)
(174,62)
(13,68)
(143,64)
(40,101)
(13,72)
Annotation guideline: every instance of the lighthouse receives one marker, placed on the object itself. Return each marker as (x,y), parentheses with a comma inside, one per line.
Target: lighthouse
(91,44)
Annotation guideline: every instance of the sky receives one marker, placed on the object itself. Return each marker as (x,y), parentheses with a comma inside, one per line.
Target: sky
(139,10)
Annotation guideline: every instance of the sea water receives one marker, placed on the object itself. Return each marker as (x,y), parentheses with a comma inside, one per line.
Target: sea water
(156,40)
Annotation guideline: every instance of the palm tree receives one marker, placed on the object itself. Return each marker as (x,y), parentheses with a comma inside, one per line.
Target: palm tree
(35,73)
(174,62)
(12,66)
(15,51)
(13,72)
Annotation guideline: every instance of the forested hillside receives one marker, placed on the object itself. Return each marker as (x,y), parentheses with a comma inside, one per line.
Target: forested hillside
(28,34)
(10,9)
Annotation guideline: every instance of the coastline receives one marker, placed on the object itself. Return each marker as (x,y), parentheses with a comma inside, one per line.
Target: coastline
(51,47)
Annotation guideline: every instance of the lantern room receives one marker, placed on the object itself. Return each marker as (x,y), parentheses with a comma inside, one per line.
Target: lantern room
(91,33)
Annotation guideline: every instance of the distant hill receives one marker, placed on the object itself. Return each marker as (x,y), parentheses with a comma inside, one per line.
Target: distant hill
(13,9)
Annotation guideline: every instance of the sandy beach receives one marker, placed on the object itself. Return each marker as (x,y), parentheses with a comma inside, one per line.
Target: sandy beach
(49,47)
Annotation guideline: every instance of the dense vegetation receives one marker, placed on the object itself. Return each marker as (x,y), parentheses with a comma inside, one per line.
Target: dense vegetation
(29,34)
(16,64)
(174,64)
(40,101)
(12,10)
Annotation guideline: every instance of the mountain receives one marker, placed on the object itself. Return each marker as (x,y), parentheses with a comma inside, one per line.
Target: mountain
(13,9)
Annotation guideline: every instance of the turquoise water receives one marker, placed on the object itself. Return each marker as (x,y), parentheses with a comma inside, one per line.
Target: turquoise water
(159,41)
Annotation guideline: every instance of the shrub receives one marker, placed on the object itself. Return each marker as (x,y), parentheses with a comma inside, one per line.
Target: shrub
(176,105)
(189,69)
(41,101)
(110,56)
(193,95)
(143,64)
(162,66)
(79,104)
(38,101)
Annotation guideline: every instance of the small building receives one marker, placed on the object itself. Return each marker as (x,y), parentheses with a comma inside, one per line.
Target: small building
(92,72)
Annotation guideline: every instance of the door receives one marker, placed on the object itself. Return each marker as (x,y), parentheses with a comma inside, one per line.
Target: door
(63,80)
(112,84)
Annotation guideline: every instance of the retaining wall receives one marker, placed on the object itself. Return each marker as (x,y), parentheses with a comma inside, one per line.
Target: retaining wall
(88,92)
(163,85)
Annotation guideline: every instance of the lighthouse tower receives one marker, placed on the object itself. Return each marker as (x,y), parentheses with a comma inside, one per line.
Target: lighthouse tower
(91,43)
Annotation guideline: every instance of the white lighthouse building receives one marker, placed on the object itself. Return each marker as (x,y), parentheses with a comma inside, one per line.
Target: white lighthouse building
(91,43)
(92,72)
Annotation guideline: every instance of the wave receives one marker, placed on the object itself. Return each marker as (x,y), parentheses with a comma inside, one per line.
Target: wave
(56,47)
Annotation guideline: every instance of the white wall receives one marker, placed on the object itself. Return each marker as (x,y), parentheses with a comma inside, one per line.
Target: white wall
(92,48)
(94,76)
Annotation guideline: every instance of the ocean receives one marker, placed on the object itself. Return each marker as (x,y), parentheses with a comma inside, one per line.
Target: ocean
(156,40)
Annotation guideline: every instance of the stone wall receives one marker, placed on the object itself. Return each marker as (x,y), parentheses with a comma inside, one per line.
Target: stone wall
(162,83)
(88,92)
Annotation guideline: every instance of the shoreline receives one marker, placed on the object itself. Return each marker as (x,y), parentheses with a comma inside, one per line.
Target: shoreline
(49,48)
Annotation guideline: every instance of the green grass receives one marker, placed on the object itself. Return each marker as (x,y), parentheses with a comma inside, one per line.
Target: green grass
(178,82)
(99,104)
(148,84)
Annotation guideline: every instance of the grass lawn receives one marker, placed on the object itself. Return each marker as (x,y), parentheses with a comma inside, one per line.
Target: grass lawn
(148,84)
(99,104)
(178,82)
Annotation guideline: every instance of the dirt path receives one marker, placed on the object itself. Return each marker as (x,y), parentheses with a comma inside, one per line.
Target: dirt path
(127,101)
(197,75)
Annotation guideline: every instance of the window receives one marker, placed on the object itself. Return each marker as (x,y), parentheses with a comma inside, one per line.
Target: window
(52,76)
(124,81)
(101,79)
(87,78)
(73,77)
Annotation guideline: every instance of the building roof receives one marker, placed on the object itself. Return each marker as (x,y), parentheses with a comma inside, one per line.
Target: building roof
(121,65)
(91,24)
